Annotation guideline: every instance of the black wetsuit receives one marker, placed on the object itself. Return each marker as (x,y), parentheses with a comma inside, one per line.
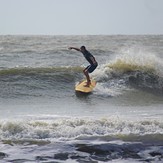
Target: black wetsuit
(88,57)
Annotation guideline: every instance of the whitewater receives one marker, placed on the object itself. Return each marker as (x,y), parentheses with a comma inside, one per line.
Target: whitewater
(42,118)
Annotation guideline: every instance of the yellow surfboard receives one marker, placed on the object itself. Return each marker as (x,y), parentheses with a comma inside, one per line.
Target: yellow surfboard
(80,87)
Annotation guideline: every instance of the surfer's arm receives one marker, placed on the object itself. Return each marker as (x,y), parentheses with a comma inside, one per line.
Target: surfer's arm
(74,48)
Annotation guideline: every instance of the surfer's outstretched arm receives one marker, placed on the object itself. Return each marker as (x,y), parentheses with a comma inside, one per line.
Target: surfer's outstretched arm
(74,48)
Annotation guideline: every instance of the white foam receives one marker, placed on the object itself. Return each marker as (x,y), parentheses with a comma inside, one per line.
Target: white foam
(140,57)
(70,128)
(103,90)
(134,58)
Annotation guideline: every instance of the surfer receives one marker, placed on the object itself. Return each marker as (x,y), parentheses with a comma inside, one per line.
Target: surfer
(91,59)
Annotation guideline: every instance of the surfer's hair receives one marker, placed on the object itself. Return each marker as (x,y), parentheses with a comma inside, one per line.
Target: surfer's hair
(82,47)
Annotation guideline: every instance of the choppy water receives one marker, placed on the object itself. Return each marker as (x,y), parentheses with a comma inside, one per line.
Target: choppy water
(42,119)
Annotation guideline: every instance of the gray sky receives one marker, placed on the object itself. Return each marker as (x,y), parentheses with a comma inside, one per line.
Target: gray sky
(60,17)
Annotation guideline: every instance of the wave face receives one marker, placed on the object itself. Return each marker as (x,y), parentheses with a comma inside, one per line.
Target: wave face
(125,71)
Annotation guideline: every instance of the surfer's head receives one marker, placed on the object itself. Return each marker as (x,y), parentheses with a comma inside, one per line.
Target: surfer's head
(82,48)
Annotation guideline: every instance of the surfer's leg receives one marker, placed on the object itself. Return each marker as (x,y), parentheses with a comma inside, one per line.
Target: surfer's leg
(85,71)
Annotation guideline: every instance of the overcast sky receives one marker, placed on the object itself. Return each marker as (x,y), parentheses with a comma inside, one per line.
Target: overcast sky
(69,17)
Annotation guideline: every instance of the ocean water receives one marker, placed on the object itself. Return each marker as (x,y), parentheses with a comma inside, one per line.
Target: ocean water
(42,119)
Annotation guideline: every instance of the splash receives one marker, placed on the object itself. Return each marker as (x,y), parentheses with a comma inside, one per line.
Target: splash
(130,61)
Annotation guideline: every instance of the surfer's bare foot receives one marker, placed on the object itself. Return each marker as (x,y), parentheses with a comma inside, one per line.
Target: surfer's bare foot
(88,84)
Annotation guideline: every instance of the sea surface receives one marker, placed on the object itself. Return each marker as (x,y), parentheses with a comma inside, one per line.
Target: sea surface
(43,119)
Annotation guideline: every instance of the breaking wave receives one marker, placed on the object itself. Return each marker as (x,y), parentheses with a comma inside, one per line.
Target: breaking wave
(116,76)
(134,70)
(70,128)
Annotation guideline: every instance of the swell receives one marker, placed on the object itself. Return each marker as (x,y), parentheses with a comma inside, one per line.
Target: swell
(36,82)
(114,75)
(40,75)
(39,70)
